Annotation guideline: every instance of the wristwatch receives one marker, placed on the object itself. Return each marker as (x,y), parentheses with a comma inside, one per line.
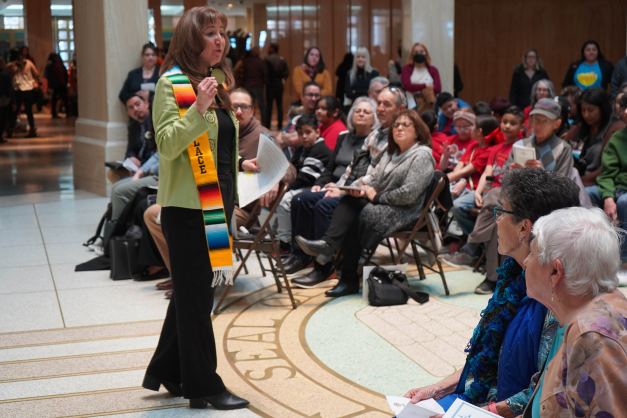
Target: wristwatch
(492,408)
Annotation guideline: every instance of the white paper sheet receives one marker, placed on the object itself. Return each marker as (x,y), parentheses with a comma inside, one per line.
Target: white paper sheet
(402,408)
(148,86)
(461,409)
(130,165)
(273,164)
(523,154)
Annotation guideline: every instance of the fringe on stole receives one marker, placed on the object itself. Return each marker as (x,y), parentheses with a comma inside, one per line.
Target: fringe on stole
(222,277)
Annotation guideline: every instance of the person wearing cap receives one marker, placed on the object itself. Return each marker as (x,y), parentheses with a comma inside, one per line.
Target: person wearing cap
(552,153)
(452,150)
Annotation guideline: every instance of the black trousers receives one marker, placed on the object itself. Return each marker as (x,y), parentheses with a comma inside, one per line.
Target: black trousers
(28,99)
(186,352)
(60,92)
(274,93)
(346,232)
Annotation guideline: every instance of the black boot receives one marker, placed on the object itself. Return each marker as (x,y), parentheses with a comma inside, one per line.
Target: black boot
(314,278)
(342,289)
(295,265)
(152,383)
(226,400)
(318,248)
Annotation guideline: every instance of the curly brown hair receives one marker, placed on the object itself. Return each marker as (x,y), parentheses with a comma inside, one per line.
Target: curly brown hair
(423,136)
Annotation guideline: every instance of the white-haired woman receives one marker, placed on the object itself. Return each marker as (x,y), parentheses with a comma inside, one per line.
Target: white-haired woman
(540,90)
(312,211)
(358,78)
(571,269)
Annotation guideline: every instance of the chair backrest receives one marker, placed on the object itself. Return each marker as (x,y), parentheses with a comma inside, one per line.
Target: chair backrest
(434,191)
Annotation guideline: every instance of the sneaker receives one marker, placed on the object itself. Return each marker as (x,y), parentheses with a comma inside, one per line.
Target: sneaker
(458,259)
(622,275)
(486,288)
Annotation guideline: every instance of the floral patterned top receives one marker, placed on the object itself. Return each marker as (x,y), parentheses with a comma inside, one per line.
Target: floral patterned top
(588,375)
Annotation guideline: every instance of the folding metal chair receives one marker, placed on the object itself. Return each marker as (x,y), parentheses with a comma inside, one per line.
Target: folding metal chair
(260,244)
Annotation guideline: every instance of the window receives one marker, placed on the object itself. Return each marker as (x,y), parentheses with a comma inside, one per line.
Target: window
(64,32)
(13,22)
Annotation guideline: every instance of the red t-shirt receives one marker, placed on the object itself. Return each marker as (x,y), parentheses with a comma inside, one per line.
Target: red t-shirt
(498,156)
(447,128)
(437,139)
(479,161)
(331,132)
(458,148)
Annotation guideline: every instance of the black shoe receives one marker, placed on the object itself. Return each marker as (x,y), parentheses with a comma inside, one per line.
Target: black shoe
(319,249)
(152,383)
(161,274)
(294,266)
(313,279)
(342,289)
(486,287)
(286,247)
(224,401)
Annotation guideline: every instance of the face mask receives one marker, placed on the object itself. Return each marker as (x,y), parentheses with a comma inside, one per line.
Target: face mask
(419,58)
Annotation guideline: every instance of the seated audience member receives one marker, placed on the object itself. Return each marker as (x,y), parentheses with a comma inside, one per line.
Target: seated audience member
(310,158)
(527,73)
(359,172)
(376,85)
(455,146)
(466,177)
(152,221)
(481,108)
(123,190)
(359,77)
(552,154)
(591,134)
(572,93)
(330,117)
(564,103)
(249,131)
(141,139)
(312,210)
(437,138)
(571,270)
(499,105)
(145,76)
(621,92)
(510,344)
(393,201)
(448,105)
(540,90)
(309,97)
(609,194)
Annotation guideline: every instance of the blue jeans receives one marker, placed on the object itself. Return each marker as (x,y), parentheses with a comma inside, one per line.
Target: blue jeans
(461,206)
(621,212)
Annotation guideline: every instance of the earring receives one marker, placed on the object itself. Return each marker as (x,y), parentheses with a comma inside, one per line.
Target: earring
(552,289)
(519,239)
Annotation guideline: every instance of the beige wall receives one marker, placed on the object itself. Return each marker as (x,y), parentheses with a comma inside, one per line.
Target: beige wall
(109,35)
(38,22)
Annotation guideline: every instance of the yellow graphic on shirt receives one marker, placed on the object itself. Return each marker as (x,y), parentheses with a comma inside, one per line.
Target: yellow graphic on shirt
(587,79)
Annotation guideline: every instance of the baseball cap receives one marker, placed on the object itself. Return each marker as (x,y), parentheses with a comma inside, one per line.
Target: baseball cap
(548,108)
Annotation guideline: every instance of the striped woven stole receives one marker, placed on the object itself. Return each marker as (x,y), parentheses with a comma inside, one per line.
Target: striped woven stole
(219,241)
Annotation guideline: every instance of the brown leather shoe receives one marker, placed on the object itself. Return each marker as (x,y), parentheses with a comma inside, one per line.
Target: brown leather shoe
(166,285)
(168,294)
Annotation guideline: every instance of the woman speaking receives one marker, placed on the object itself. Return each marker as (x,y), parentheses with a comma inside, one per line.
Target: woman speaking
(197,137)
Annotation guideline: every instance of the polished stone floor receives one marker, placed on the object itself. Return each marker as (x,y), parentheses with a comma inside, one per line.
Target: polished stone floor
(77,343)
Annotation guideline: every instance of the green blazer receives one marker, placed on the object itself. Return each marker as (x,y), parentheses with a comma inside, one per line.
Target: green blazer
(177,186)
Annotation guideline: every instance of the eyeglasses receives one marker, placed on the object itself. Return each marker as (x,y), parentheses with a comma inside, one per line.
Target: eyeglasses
(499,211)
(403,124)
(312,96)
(244,107)
(363,111)
(543,90)
(539,122)
(462,128)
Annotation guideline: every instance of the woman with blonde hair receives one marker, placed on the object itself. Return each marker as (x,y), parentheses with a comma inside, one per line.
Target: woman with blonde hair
(358,78)
(526,74)
(197,136)
(419,74)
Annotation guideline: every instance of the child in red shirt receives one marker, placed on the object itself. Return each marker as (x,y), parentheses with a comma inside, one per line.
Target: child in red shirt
(437,138)
(468,172)
(456,145)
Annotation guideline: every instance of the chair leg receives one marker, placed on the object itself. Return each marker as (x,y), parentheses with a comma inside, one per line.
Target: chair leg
(228,288)
(240,256)
(478,263)
(280,264)
(274,272)
(263,269)
(421,270)
(389,248)
(442,275)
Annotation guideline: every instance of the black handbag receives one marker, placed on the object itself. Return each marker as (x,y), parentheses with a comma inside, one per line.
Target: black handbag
(388,288)
(124,253)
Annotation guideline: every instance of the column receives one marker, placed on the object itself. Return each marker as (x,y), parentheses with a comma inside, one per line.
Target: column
(155,5)
(194,3)
(260,23)
(38,22)
(432,23)
(109,35)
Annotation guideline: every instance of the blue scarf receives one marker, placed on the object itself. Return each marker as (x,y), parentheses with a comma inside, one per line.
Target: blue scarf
(485,345)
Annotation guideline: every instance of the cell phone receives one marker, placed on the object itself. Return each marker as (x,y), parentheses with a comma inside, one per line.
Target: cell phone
(490,178)
(152,199)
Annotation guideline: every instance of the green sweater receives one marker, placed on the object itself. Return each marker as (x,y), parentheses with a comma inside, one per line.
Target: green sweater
(614,165)
(177,186)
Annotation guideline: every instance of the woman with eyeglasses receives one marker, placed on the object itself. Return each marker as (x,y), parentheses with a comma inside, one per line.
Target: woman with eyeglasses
(526,74)
(540,90)
(511,342)
(312,69)
(596,126)
(393,201)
